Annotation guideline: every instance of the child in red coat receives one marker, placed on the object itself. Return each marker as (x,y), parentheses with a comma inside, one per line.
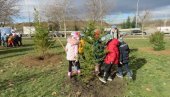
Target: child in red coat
(112,58)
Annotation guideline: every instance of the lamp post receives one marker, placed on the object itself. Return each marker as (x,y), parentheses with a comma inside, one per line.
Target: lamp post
(137,8)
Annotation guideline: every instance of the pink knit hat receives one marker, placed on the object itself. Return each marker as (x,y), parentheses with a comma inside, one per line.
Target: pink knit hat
(75,34)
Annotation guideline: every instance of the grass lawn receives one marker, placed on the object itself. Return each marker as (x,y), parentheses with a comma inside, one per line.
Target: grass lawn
(151,72)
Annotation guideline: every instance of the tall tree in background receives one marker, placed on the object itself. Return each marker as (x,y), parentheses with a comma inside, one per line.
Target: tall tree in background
(133,22)
(8,8)
(123,25)
(58,13)
(97,9)
(144,17)
(128,23)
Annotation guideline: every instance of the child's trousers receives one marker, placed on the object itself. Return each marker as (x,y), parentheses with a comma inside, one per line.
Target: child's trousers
(71,63)
(126,67)
(107,70)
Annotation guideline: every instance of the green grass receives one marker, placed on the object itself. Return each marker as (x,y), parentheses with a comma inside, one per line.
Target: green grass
(151,73)
(17,80)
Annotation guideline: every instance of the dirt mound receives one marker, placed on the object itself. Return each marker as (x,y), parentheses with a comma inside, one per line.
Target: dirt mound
(150,50)
(49,59)
(95,88)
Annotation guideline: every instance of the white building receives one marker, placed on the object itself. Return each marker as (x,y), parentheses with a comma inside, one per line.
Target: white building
(165,30)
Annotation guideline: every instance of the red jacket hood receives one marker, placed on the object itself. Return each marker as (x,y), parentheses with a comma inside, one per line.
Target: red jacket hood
(114,42)
(113,53)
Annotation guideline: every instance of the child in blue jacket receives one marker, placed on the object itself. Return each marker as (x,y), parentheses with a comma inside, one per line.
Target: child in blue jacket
(124,59)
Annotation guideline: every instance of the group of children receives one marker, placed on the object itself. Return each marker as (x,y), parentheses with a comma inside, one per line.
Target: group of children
(117,53)
(11,40)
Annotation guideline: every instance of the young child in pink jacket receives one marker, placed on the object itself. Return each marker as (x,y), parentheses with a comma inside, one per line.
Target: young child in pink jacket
(72,53)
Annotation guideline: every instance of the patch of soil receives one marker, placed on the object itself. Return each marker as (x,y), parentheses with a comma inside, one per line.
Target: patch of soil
(95,88)
(1,47)
(150,50)
(49,59)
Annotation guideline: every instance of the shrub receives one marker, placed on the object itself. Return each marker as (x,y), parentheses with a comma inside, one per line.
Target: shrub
(157,41)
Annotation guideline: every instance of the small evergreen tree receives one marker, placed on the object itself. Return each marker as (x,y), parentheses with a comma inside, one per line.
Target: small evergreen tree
(133,24)
(90,51)
(123,25)
(42,40)
(128,23)
(157,39)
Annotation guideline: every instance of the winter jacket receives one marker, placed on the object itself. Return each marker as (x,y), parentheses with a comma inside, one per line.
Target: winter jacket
(71,49)
(72,40)
(112,57)
(124,52)
(72,52)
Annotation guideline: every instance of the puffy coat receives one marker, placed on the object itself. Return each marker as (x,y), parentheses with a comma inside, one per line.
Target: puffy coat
(124,52)
(113,52)
(72,49)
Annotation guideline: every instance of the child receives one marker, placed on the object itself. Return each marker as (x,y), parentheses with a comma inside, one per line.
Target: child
(99,52)
(10,41)
(112,58)
(124,59)
(81,47)
(72,53)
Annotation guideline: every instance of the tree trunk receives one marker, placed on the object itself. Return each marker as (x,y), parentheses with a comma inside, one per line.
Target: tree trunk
(65,29)
(101,22)
(142,30)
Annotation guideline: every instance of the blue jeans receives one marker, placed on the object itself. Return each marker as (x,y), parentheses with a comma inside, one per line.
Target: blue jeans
(120,69)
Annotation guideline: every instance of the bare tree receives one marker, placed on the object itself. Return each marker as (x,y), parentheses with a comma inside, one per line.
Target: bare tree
(8,8)
(58,12)
(97,9)
(144,17)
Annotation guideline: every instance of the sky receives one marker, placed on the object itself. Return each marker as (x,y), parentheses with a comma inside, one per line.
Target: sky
(119,11)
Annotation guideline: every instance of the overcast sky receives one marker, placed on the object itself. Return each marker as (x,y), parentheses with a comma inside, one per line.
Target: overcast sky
(120,9)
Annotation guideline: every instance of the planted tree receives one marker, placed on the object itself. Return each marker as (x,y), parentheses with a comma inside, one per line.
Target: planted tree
(90,51)
(157,40)
(43,42)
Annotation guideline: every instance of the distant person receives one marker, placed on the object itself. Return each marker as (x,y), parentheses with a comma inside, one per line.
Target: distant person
(20,39)
(72,54)
(124,59)
(15,39)
(3,40)
(10,41)
(114,32)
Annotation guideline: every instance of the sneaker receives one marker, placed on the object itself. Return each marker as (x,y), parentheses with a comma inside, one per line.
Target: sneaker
(69,74)
(129,74)
(130,77)
(102,80)
(110,79)
(96,73)
(78,72)
(119,75)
